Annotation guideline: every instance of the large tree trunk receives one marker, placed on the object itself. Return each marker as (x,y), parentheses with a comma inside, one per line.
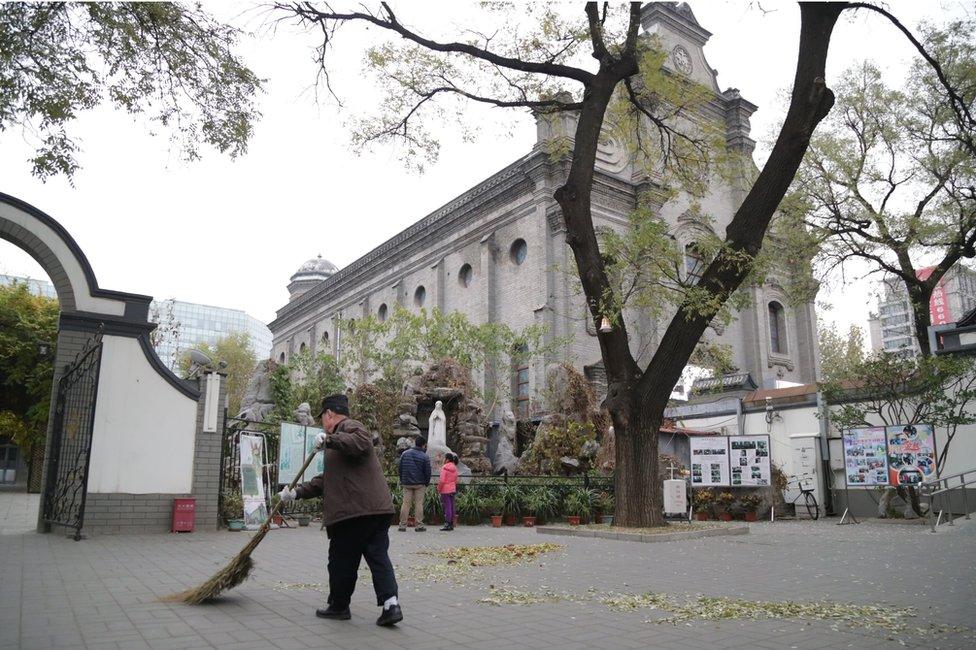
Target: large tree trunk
(636,480)
(920,297)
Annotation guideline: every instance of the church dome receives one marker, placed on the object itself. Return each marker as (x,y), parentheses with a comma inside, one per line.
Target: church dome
(315,269)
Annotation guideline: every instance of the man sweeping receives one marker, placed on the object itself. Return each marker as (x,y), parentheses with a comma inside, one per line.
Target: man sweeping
(357,507)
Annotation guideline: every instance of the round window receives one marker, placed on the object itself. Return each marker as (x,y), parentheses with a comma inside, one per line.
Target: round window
(519,251)
(465,275)
(382,312)
(419,296)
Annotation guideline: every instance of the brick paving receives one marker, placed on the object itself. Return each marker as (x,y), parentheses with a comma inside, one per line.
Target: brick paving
(102,592)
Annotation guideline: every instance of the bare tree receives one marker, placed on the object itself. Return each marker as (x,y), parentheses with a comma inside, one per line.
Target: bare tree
(889,180)
(592,68)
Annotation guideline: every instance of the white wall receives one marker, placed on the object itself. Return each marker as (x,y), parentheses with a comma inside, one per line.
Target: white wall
(143,438)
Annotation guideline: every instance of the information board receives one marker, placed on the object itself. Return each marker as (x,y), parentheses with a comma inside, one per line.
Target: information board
(252,480)
(318,465)
(709,460)
(749,461)
(294,442)
(865,457)
(911,453)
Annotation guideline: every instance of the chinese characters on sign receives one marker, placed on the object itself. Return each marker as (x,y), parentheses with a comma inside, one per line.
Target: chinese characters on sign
(865,457)
(749,456)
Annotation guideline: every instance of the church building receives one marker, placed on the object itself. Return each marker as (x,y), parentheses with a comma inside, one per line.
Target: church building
(498,253)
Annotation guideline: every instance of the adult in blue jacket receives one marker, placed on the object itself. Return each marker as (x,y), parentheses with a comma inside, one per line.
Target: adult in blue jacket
(414,470)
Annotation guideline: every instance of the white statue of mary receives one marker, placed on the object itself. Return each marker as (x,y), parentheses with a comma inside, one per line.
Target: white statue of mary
(437,430)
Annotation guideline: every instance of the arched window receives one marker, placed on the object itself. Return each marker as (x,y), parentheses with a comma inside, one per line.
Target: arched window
(465,275)
(281,358)
(518,251)
(777,328)
(302,347)
(325,337)
(420,296)
(694,264)
(520,381)
(382,312)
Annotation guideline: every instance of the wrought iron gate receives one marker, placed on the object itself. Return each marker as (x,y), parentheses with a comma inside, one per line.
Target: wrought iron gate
(71,437)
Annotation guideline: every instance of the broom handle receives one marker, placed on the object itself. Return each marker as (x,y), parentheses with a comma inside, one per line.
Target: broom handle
(294,482)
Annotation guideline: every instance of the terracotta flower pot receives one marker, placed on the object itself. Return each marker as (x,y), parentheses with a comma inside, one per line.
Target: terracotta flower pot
(573,520)
(509,520)
(496,521)
(278,520)
(457,520)
(725,516)
(528,522)
(701,516)
(598,518)
(751,516)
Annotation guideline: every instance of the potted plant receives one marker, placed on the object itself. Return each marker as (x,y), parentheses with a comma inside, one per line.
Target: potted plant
(496,505)
(433,508)
(702,499)
(303,518)
(512,498)
(725,501)
(574,507)
(586,499)
(396,491)
(469,506)
(605,504)
(750,503)
(540,502)
(232,509)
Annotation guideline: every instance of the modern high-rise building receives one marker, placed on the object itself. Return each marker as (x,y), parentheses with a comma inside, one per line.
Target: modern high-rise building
(185,325)
(892,327)
(36,287)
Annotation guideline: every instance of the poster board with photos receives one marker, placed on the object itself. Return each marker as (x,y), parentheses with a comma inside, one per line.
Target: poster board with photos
(749,461)
(294,443)
(865,457)
(709,460)
(911,453)
(252,483)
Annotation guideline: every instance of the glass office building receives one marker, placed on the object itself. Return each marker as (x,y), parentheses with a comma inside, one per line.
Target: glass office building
(186,325)
(36,287)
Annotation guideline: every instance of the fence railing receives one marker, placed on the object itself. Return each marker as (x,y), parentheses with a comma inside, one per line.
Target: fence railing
(941,490)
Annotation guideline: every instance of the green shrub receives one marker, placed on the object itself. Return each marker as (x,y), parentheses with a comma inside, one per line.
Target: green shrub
(231,505)
(512,497)
(542,502)
(574,505)
(433,507)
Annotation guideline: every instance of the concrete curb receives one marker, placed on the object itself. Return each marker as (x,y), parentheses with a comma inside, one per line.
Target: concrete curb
(641,537)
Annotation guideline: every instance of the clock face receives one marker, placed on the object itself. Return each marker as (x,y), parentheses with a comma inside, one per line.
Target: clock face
(681,59)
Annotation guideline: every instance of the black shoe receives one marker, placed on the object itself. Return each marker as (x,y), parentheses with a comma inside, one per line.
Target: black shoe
(446,527)
(420,529)
(390,616)
(334,614)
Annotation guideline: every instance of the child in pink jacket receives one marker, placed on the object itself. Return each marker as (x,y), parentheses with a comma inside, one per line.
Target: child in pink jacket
(447,487)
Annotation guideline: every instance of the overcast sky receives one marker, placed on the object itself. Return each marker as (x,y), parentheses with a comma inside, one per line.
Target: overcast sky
(230,233)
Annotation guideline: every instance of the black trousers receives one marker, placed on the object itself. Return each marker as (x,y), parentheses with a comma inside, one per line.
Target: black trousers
(349,542)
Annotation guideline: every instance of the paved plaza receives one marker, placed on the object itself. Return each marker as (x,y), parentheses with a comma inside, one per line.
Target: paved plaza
(102,592)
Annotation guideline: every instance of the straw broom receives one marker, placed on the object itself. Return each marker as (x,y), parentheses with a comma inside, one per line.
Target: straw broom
(238,568)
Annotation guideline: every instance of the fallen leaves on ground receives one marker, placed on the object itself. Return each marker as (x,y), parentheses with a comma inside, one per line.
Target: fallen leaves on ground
(297,586)
(493,555)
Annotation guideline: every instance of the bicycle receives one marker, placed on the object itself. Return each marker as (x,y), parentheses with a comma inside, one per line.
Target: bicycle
(805,486)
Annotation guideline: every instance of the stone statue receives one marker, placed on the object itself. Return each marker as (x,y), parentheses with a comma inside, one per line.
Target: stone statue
(257,401)
(437,429)
(303,415)
(505,460)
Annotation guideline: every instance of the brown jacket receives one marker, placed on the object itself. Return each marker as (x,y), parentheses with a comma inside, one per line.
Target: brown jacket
(353,484)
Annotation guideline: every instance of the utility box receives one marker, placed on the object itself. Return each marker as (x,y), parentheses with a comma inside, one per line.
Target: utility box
(184,515)
(675,497)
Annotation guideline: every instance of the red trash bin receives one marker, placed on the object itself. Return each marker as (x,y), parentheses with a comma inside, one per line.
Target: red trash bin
(184,515)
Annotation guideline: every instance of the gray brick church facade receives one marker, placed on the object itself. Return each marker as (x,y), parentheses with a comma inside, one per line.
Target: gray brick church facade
(498,251)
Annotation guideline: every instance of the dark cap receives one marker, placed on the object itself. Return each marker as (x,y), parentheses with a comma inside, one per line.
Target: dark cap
(338,403)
